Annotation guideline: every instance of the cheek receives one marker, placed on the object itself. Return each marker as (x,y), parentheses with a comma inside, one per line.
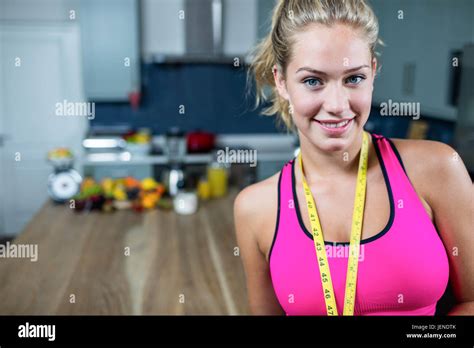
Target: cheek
(306,103)
(360,100)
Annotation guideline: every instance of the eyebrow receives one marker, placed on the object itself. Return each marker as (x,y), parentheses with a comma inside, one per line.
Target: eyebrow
(314,71)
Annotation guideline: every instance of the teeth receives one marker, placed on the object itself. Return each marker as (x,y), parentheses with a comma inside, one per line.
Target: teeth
(335,125)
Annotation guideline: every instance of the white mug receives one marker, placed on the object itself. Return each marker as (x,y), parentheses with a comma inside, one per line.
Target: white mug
(185,203)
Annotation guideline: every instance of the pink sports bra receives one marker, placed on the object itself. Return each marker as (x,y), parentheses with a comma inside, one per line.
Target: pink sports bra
(403,270)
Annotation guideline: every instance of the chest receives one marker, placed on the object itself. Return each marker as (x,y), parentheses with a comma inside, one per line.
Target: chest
(391,279)
(335,207)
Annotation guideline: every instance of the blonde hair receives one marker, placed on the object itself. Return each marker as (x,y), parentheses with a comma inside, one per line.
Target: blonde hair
(289,17)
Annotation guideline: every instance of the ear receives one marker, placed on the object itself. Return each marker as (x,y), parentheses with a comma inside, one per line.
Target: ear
(280,82)
(374,66)
(374,70)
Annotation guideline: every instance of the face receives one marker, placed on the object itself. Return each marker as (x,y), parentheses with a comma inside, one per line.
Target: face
(329,80)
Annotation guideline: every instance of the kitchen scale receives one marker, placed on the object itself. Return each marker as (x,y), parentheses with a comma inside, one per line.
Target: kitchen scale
(65,182)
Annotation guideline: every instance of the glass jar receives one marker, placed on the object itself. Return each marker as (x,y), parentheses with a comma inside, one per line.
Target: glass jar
(218,179)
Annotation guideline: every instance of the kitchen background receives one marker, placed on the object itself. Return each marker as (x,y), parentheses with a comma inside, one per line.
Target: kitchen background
(139,220)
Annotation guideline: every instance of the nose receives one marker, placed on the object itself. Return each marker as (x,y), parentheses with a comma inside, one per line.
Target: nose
(335,100)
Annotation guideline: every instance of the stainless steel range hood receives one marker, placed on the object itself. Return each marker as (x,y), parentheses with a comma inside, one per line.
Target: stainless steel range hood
(203,32)
(203,27)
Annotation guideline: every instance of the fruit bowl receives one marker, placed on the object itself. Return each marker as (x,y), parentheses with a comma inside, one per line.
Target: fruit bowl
(61,158)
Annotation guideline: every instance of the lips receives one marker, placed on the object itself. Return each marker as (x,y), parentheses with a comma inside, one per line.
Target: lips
(337,123)
(335,127)
(334,124)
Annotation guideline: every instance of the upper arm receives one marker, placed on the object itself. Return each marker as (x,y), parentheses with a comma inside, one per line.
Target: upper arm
(261,296)
(451,198)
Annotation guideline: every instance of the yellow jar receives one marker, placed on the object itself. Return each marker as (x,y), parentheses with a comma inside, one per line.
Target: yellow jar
(204,189)
(217,176)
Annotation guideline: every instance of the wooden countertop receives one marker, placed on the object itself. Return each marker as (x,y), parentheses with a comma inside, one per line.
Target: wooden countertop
(177,264)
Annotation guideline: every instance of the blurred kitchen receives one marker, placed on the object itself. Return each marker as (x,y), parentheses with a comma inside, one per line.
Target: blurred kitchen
(113,115)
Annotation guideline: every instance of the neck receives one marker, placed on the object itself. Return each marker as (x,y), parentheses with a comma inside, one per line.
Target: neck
(323,164)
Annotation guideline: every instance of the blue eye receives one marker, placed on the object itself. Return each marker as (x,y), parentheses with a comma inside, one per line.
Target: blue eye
(312,82)
(355,79)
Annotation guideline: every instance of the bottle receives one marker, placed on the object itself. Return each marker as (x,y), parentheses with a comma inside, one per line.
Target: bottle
(218,179)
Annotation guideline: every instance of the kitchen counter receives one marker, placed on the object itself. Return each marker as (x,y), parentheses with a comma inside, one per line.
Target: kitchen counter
(125,158)
(269,147)
(176,264)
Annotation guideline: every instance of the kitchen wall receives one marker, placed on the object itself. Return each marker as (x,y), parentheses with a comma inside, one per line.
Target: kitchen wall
(420,37)
(214,97)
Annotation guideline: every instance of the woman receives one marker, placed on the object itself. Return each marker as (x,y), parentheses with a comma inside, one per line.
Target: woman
(375,201)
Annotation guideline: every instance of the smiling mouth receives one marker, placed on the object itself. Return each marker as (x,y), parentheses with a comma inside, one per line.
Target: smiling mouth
(334,123)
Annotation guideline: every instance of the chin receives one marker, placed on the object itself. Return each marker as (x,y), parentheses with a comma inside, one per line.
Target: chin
(334,145)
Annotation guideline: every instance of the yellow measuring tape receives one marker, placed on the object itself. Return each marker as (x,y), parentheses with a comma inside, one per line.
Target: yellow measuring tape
(359,203)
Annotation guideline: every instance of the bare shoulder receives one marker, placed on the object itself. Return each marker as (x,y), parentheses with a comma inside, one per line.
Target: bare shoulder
(425,156)
(256,197)
(425,150)
(430,164)
(256,207)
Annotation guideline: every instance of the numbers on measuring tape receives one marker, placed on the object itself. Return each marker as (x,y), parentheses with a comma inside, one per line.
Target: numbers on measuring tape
(330,310)
(327,293)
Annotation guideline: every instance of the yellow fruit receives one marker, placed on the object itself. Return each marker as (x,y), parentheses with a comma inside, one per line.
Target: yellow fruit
(149,184)
(119,194)
(108,185)
(149,201)
(142,138)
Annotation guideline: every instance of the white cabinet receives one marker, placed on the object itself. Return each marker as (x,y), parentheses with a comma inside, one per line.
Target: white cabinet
(109,39)
(162,28)
(110,53)
(416,65)
(239,26)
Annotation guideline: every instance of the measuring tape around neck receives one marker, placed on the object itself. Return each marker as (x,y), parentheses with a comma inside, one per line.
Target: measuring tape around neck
(354,246)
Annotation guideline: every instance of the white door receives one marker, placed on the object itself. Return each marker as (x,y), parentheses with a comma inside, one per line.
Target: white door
(40,67)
